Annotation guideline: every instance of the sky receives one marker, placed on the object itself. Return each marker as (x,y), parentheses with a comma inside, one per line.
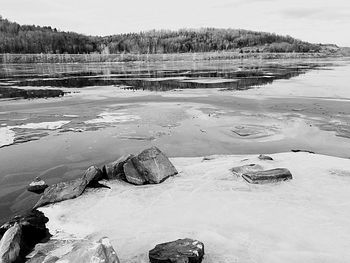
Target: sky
(317,21)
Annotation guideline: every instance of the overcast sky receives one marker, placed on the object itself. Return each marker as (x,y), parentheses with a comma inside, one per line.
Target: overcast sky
(316,21)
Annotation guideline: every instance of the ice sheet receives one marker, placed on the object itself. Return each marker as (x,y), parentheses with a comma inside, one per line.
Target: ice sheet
(303,220)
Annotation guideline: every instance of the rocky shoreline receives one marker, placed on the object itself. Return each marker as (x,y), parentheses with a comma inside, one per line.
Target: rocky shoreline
(22,233)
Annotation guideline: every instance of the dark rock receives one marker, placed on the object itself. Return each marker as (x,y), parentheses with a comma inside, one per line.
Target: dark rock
(10,245)
(265,157)
(37,186)
(33,226)
(62,191)
(305,151)
(92,175)
(268,176)
(239,170)
(154,165)
(132,175)
(115,169)
(29,230)
(179,251)
(75,251)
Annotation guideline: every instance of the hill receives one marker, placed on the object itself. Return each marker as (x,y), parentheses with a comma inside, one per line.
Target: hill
(31,39)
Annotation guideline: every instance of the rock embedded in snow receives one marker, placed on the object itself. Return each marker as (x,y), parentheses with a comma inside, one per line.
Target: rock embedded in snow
(240,170)
(179,251)
(115,170)
(75,251)
(62,191)
(132,175)
(268,176)
(265,157)
(37,186)
(10,245)
(154,165)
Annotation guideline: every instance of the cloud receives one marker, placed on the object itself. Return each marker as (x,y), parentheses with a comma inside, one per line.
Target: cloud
(237,3)
(326,14)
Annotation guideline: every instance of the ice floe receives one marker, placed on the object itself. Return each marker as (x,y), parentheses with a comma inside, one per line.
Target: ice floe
(302,220)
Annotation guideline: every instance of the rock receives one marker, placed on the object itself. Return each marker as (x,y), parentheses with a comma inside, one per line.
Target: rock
(76,251)
(154,165)
(179,251)
(239,170)
(305,151)
(92,175)
(265,157)
(10,245)
(268,176)
(132,175)
(115,169)
(33,226)
(37,186)
(62,191)
(32,231)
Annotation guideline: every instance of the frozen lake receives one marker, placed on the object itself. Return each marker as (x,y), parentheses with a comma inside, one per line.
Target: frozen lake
(187,109)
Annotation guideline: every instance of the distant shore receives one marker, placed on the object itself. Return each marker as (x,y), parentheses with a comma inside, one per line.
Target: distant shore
(128,57)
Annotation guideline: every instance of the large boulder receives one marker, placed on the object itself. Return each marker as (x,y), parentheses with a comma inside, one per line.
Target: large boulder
(33,225)
(10,245)
(75,251)
(115,170)
(268,176)
(179,251)
(132,175)
(154,166)
(37,186)
(62,191)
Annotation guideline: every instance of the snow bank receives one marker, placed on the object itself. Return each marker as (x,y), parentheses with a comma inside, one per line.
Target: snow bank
(7,136)
(302,220)
(113,117)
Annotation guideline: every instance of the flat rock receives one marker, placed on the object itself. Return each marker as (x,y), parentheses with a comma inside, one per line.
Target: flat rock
(265,157)
(132,175)
(75,251)
(10,245)
(239,170)
(179,251)
(37,186)
(268,176)
(154,165)
(115,170)
(62,191)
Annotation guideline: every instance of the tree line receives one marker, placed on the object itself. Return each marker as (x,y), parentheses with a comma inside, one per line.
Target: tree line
(30,39)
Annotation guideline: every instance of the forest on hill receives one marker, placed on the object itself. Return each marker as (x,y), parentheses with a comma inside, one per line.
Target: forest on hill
(31,39)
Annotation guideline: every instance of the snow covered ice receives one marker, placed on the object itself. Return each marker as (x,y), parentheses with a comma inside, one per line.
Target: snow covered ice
(302,220)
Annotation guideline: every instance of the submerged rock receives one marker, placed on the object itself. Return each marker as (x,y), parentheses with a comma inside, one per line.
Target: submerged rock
(62,191)
(37,186)
(115,170)
(154,166)
(179,251)
(10,245)
(239,170)
(75,251)
(268,176)
(265,157)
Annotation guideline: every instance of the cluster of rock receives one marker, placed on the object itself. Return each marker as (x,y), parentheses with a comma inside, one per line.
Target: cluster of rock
(149,167)
(255,173)
(21,234)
